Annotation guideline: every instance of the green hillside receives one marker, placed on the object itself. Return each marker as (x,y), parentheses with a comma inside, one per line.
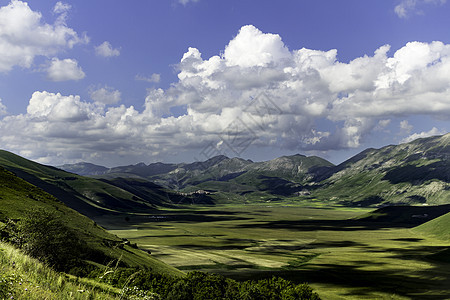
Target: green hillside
(89,196)
(438,227)
(19,198)
(408,216)
(413,173)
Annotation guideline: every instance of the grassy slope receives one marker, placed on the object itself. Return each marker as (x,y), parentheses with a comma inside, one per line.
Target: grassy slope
(407,215)
(412,173)
(439,227)
(86,195)
(18,196)
(30,279)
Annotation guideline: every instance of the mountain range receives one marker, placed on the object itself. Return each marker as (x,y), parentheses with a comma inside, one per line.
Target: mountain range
(411,173)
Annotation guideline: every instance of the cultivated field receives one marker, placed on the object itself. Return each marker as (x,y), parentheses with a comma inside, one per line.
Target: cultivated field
(340,257)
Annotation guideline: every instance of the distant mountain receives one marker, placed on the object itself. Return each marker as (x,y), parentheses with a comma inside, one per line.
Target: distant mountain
(84,169)
(412,173)
(283,176)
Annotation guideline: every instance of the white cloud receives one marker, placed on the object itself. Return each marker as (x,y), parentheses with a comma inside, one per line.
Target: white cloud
(106,95)
(55,107)
(408,7)
(106,50)
(23,36)
(63,70)
(275,98)
(252,48)
(154,78)
(433,131)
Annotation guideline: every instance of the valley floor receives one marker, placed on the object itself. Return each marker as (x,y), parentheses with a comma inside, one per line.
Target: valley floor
(339,256)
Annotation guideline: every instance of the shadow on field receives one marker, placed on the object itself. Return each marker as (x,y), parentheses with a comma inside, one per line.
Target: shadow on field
(331,225)
(185,217)
(417,252)
(362,282)
(223,244)
(335,244)
(177,235)
(407,240)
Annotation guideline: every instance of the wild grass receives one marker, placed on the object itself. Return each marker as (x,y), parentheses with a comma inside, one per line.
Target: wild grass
(27,278)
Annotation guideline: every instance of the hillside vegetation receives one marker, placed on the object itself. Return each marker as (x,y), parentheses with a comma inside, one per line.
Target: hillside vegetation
(438,227)
(23,277)
(20,201)
(413,173)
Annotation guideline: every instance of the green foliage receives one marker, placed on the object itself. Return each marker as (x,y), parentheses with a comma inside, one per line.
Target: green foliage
(199,285)
(276,288)
(42,235)
(134,293)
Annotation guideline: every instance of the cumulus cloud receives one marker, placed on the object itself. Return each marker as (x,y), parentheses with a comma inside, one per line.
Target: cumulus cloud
(433,131)
(106,50)
(55,107)
(275,97)
(23,35)
(105,95)
(63,70)
(408,7)
(154,78)
(252,48)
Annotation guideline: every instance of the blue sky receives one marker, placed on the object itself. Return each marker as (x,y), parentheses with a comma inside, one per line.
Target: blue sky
(114,82)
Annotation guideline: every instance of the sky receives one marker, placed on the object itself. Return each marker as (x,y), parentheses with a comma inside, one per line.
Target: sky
(121,82)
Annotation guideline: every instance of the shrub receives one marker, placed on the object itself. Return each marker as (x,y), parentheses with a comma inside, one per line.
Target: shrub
(199,285)
(44,236)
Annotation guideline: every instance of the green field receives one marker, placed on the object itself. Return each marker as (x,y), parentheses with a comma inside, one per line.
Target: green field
(340,256)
